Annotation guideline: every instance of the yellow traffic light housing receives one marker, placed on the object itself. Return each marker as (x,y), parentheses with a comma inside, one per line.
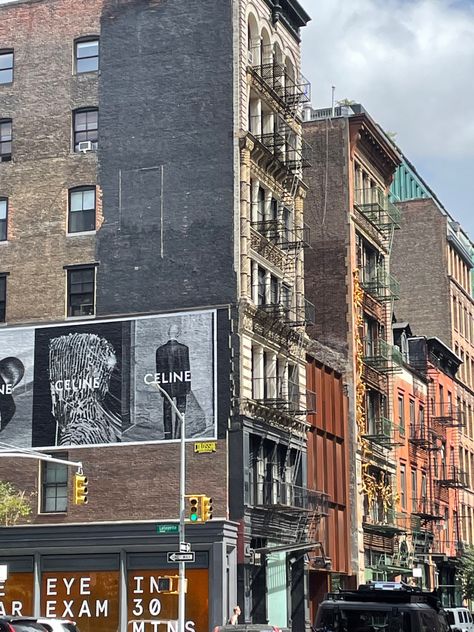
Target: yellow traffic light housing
(80,489)
(206,508)
(194,508)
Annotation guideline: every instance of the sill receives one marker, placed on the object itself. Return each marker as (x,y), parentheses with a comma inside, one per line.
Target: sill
(90,317)
(6,84)
(81,233)
(52,513)
(4,241)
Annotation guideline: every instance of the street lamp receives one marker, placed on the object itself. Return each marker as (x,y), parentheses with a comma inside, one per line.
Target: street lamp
(182,491)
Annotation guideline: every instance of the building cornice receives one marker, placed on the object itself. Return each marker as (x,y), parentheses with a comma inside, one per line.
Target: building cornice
(291,13)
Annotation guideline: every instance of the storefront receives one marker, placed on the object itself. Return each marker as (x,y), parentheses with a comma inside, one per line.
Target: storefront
(105,577)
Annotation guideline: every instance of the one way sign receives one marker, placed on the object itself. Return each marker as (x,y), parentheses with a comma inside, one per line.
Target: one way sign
(180,557)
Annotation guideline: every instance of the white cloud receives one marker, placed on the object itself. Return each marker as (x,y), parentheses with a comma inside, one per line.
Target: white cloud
(409,62)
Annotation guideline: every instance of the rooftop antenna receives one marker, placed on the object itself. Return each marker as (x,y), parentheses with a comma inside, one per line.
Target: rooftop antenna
(333,90)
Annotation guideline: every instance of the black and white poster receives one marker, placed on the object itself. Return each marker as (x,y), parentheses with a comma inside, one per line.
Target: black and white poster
(105,382)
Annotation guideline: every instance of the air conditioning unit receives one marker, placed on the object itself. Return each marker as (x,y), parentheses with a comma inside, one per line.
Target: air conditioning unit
(84,146)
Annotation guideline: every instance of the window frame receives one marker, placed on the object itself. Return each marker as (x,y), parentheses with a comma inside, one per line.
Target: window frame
(3,297)
(71,192)
(45,484)
(84,40)
(4,222)
(70,270)
(75,142)
(5,52)
(6,157)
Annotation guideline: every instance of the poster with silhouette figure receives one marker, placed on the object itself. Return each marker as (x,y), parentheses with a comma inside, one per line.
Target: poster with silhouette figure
(79,384)
(173,354)
(104,382)
(16,386)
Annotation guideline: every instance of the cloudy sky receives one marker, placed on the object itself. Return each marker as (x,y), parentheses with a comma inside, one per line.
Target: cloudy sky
(411,64)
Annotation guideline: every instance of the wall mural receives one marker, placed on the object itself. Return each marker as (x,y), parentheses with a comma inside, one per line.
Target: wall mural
(96,382)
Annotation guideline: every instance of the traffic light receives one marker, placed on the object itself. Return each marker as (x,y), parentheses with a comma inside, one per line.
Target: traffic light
(80,489)
(194,508)
(206,508)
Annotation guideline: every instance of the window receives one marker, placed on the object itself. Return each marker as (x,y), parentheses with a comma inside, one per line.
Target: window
(54,486)
(3,218)
(403,487)
(5,140)
(81,209)
(412,419)
(6,66)
(80,291)
(414,494)
(85,127)
(3,297)
(401,414)
(87,55)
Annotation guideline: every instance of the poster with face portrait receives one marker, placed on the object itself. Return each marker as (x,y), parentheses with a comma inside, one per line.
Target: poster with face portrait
(105,382)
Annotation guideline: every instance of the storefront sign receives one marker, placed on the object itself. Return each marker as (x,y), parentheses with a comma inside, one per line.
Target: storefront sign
(16,594)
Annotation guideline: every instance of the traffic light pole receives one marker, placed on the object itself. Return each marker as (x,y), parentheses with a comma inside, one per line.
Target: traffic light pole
(182,509)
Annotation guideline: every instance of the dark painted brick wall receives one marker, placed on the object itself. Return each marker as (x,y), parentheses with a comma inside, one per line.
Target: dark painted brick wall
(326,212)
(166,151)
(418,261)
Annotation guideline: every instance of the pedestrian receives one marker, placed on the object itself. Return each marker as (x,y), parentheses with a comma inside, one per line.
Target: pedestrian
(234,619)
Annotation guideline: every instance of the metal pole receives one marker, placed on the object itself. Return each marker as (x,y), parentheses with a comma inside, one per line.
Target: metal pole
(182,536)
(182,492)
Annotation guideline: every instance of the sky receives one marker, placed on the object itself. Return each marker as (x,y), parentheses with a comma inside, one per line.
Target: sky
(411,65)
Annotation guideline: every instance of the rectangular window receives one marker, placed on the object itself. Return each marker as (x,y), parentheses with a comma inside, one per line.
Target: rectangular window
(403,487)
(86,128)
(412,418)
(81,291)
(6,67)
(81,209)
(5,140)
(54,486)
(414,495)
(3,218)
(3,297)
(401,414)
(87,56)
(261,298)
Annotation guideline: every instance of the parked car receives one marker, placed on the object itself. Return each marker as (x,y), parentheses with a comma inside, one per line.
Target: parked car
(460,620)
(20,624)
(381,607)
(58,625)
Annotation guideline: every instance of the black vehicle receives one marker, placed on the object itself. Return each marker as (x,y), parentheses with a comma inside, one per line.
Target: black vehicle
(381,607)
(20,624)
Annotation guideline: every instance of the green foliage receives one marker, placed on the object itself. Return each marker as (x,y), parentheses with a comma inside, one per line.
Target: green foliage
(466,573)
(346,101)
(14,504)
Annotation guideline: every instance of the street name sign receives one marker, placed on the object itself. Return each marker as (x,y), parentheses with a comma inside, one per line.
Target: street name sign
(180,557)
(166,527)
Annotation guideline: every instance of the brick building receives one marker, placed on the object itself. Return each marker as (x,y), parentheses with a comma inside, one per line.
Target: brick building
(433,257)
(347,275)
(151,198)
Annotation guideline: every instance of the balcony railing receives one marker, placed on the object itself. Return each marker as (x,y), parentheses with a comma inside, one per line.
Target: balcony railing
(426,509)
(419,435)
(389,520)
(282,142)
(285,311)
(279,233)
(383,432)
(375,205)
(283,394)
(381,285)
(382,356)
(452,476)
(448,415)
(281,494)
(290,90)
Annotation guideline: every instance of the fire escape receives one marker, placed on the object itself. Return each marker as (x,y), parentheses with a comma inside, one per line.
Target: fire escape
(282,507)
